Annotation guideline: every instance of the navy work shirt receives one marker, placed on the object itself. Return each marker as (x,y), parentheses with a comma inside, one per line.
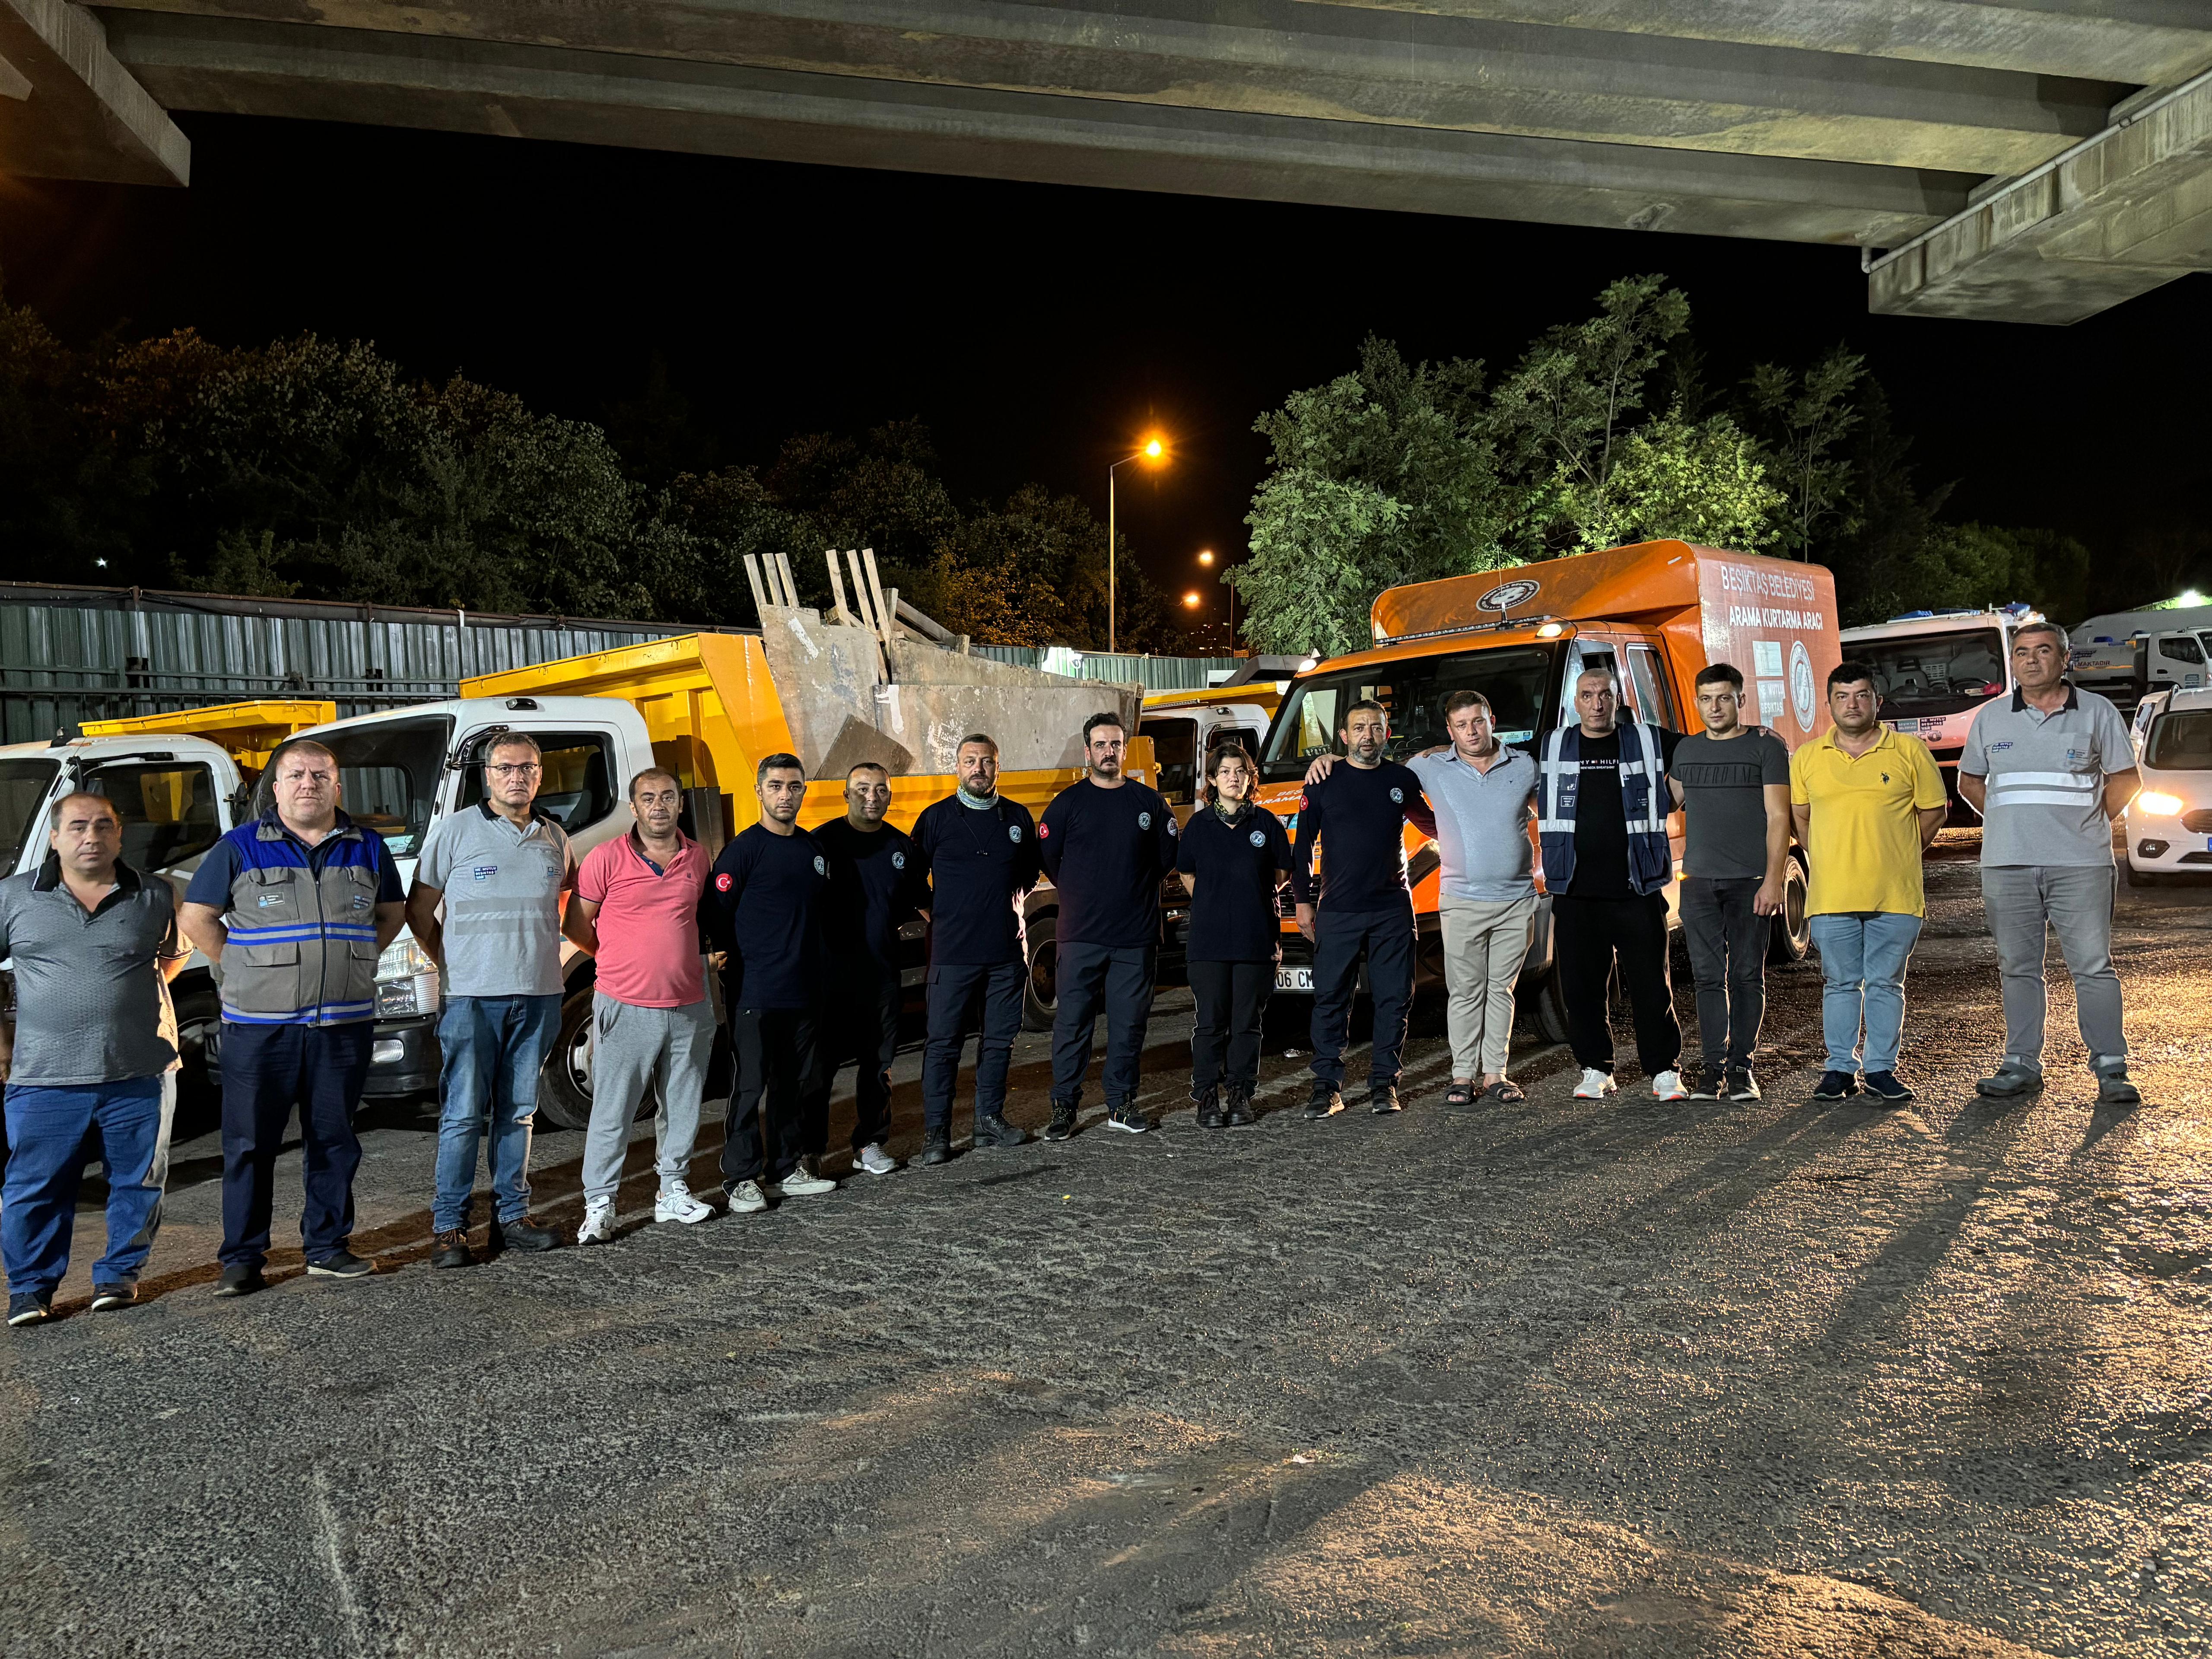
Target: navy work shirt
(1107,851)
(764,905)
(875,888)
(1357,816)
(1232,912)
(980,861)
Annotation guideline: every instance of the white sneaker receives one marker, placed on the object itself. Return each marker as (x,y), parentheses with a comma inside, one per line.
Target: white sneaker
(874,1160)
(599,1226)
(1669,1085)
(1595,1084)
(677,1204)
(802,1182)
(746,1197)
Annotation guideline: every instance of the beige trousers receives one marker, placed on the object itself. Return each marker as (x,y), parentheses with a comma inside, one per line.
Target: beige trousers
(1484,944)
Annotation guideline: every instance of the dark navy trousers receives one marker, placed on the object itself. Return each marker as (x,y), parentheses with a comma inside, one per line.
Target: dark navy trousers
(955,990)
(267,1070)
(1385,938)
(1094,979)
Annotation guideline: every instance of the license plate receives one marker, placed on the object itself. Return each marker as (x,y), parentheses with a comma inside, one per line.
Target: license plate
(1294,979)
(1906,726)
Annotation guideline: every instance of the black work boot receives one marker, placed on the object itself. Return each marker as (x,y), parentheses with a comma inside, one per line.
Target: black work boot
(1063,1120)
(1209,1109)
(1240,1115)
(937,1146)
(995,1130)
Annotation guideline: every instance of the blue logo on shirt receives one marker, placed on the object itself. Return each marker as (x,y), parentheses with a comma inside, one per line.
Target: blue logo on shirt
(1398,797)
(1143,820)
(1258,838)
(484,871)
(1013,832)
(1999,748)
(268,899)
(898,861)
(821,864)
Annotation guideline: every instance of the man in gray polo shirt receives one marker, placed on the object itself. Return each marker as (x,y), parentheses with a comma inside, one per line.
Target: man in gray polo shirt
(500,870)
(94,1045)
(2049,769)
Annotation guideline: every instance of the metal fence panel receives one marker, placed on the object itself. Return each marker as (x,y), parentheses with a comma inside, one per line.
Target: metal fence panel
(1153,673)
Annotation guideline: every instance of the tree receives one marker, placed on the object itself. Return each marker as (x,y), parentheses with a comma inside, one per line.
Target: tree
(1801,420)
(1702,481)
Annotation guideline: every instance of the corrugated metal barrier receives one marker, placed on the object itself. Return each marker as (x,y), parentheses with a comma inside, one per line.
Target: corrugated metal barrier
(1153,673)
(70,654)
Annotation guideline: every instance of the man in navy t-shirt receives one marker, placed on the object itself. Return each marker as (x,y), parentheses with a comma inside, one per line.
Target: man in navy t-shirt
(1358,902)
(979,852)
(762,909)
(1108,842)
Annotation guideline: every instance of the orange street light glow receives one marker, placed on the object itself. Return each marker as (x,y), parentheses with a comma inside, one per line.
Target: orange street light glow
(1192,600)
(1206,557)
(1154,449)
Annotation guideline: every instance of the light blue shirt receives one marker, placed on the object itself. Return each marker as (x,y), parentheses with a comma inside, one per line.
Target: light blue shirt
(1482,824)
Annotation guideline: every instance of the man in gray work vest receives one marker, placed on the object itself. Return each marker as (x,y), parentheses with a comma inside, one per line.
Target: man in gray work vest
(2049,769)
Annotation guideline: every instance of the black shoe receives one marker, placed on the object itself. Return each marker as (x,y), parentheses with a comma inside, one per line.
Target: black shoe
(521,1234)
(1703,1083)
(1326,1101)
(453,1250)
(1127,1119)
(1209,1111)
(1742,1085)
(1885,1087)
(1383,1099)
(992,1131)
(342,1264)
(240,1278)
(1835,1085)
(107,1297)
(1063,1120)
(29,1308)
(2116,1088)
(1240,1115)
(936,1146)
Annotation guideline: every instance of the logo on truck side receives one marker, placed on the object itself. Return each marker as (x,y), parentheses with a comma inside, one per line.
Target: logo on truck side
(1509,596)
(1801,684)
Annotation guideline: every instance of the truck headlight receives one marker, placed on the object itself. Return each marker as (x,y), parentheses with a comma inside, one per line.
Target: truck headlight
(2157,804)
(406,979)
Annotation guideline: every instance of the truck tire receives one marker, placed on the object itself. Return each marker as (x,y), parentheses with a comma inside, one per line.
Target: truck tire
(1550,1006)
(1793,929)
(564,1085)
(1041,988)
(2141,877)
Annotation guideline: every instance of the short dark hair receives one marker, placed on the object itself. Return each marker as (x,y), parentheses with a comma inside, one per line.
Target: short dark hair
(1460,700)
(983,738)
(1344,721)
(654,772)
(1225,753)
(2026,629)
(507,738)
(867,766)
(1848,672)
(292,746)
(85,794)
(1718,673)
(778,763)
(1104,717)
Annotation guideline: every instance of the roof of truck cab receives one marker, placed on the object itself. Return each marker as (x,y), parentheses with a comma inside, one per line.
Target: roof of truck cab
(492,710)
(100,748)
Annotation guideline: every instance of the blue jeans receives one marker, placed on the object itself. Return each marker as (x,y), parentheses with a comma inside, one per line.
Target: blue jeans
(494,1049)
(1863,954)
(48,1131)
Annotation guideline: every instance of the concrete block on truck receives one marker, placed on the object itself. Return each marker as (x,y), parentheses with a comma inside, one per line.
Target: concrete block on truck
(1656,613)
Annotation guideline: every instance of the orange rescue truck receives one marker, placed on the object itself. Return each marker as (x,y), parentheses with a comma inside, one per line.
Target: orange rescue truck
(1656,613)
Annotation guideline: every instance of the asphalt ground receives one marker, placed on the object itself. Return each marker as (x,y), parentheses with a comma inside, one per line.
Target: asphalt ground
(1593,1378)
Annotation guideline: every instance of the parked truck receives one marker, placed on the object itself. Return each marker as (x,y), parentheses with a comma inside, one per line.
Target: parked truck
(2130,654)
(1934,668)
(1655,613)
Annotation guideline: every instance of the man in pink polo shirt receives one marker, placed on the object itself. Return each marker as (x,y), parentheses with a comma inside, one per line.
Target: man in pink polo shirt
(636,910)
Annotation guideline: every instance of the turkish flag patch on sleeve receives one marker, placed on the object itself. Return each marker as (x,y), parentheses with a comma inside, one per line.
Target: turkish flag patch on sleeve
(1044,831)
(723,884)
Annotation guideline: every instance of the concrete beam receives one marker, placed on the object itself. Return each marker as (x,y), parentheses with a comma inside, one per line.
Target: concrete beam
(2127,211)
(67,110)
(2145,42)
(592,97)
(1335,63)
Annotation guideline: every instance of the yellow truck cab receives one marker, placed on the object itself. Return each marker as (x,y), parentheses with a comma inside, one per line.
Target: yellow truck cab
(1656,613)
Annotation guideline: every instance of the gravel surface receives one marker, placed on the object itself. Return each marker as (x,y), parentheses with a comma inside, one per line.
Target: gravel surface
(1601,1379)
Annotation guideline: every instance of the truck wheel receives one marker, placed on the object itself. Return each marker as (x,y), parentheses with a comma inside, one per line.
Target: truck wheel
(1552,1007)
(2141,877)
(1041,990)
(1793,929)
(564,1085)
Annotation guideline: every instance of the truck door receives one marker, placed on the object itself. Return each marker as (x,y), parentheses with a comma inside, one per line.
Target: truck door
(170,809)
(2177,659)
(578,786)
(1175,749)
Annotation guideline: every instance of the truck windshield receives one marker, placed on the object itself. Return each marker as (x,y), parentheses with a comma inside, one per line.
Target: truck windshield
(388,776)
(1515,680)
(1934,673)
(23,786)
(2181,742)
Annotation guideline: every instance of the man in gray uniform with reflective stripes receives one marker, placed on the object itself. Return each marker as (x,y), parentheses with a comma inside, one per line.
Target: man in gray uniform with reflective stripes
(2049,769)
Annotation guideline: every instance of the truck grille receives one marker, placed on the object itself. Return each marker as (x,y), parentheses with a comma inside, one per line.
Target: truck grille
(2198,822)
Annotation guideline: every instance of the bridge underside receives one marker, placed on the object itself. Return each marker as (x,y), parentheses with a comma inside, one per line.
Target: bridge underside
(2037,160)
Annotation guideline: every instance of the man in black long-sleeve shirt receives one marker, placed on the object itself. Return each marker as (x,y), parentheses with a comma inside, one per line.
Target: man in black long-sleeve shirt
(1108,842)
(979,852)
(1359,902)
(763,907)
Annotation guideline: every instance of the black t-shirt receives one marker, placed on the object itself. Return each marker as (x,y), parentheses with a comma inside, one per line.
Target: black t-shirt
(875,887)
(979,862)
(1232,914)
(1358,814)
(764,905)
(1601,818)
(1107,851)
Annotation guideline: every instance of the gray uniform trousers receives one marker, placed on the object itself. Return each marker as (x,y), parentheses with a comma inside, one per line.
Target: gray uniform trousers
(630,1046)
(2024,903)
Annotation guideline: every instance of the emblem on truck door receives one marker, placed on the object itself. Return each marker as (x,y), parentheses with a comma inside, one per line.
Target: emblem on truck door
(1509,596)
(1801,684)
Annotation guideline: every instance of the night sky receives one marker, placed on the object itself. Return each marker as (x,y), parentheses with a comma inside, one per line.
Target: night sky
(1037,329)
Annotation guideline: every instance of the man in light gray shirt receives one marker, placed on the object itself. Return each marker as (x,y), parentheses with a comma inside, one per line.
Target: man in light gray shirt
(486,904)
(2049,769)
(1484,794)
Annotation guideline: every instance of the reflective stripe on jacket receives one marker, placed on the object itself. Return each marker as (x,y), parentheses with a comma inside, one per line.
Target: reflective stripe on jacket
(1644,800)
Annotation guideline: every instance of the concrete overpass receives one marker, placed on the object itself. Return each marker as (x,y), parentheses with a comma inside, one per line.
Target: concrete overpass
(2034,160)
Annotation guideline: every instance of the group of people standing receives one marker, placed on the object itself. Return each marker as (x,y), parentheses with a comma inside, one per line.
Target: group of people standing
(802,928)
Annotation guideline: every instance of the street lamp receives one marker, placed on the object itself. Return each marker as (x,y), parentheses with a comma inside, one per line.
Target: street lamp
(1206,558)
(1193,600)
(1153,451)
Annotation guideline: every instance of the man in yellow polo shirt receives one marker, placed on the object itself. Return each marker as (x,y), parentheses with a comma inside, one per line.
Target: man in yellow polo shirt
(1867,800)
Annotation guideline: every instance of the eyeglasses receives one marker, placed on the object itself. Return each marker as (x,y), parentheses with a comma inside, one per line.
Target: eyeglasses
(527,768)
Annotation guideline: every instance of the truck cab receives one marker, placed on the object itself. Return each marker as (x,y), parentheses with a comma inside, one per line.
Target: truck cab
(1934,668)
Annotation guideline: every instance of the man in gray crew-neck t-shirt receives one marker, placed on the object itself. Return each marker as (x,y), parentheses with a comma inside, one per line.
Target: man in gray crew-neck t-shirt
(1733,784)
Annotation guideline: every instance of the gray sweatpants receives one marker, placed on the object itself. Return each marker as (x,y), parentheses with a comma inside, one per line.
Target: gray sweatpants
(1485,941)
(629,1044)
(2075,901)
